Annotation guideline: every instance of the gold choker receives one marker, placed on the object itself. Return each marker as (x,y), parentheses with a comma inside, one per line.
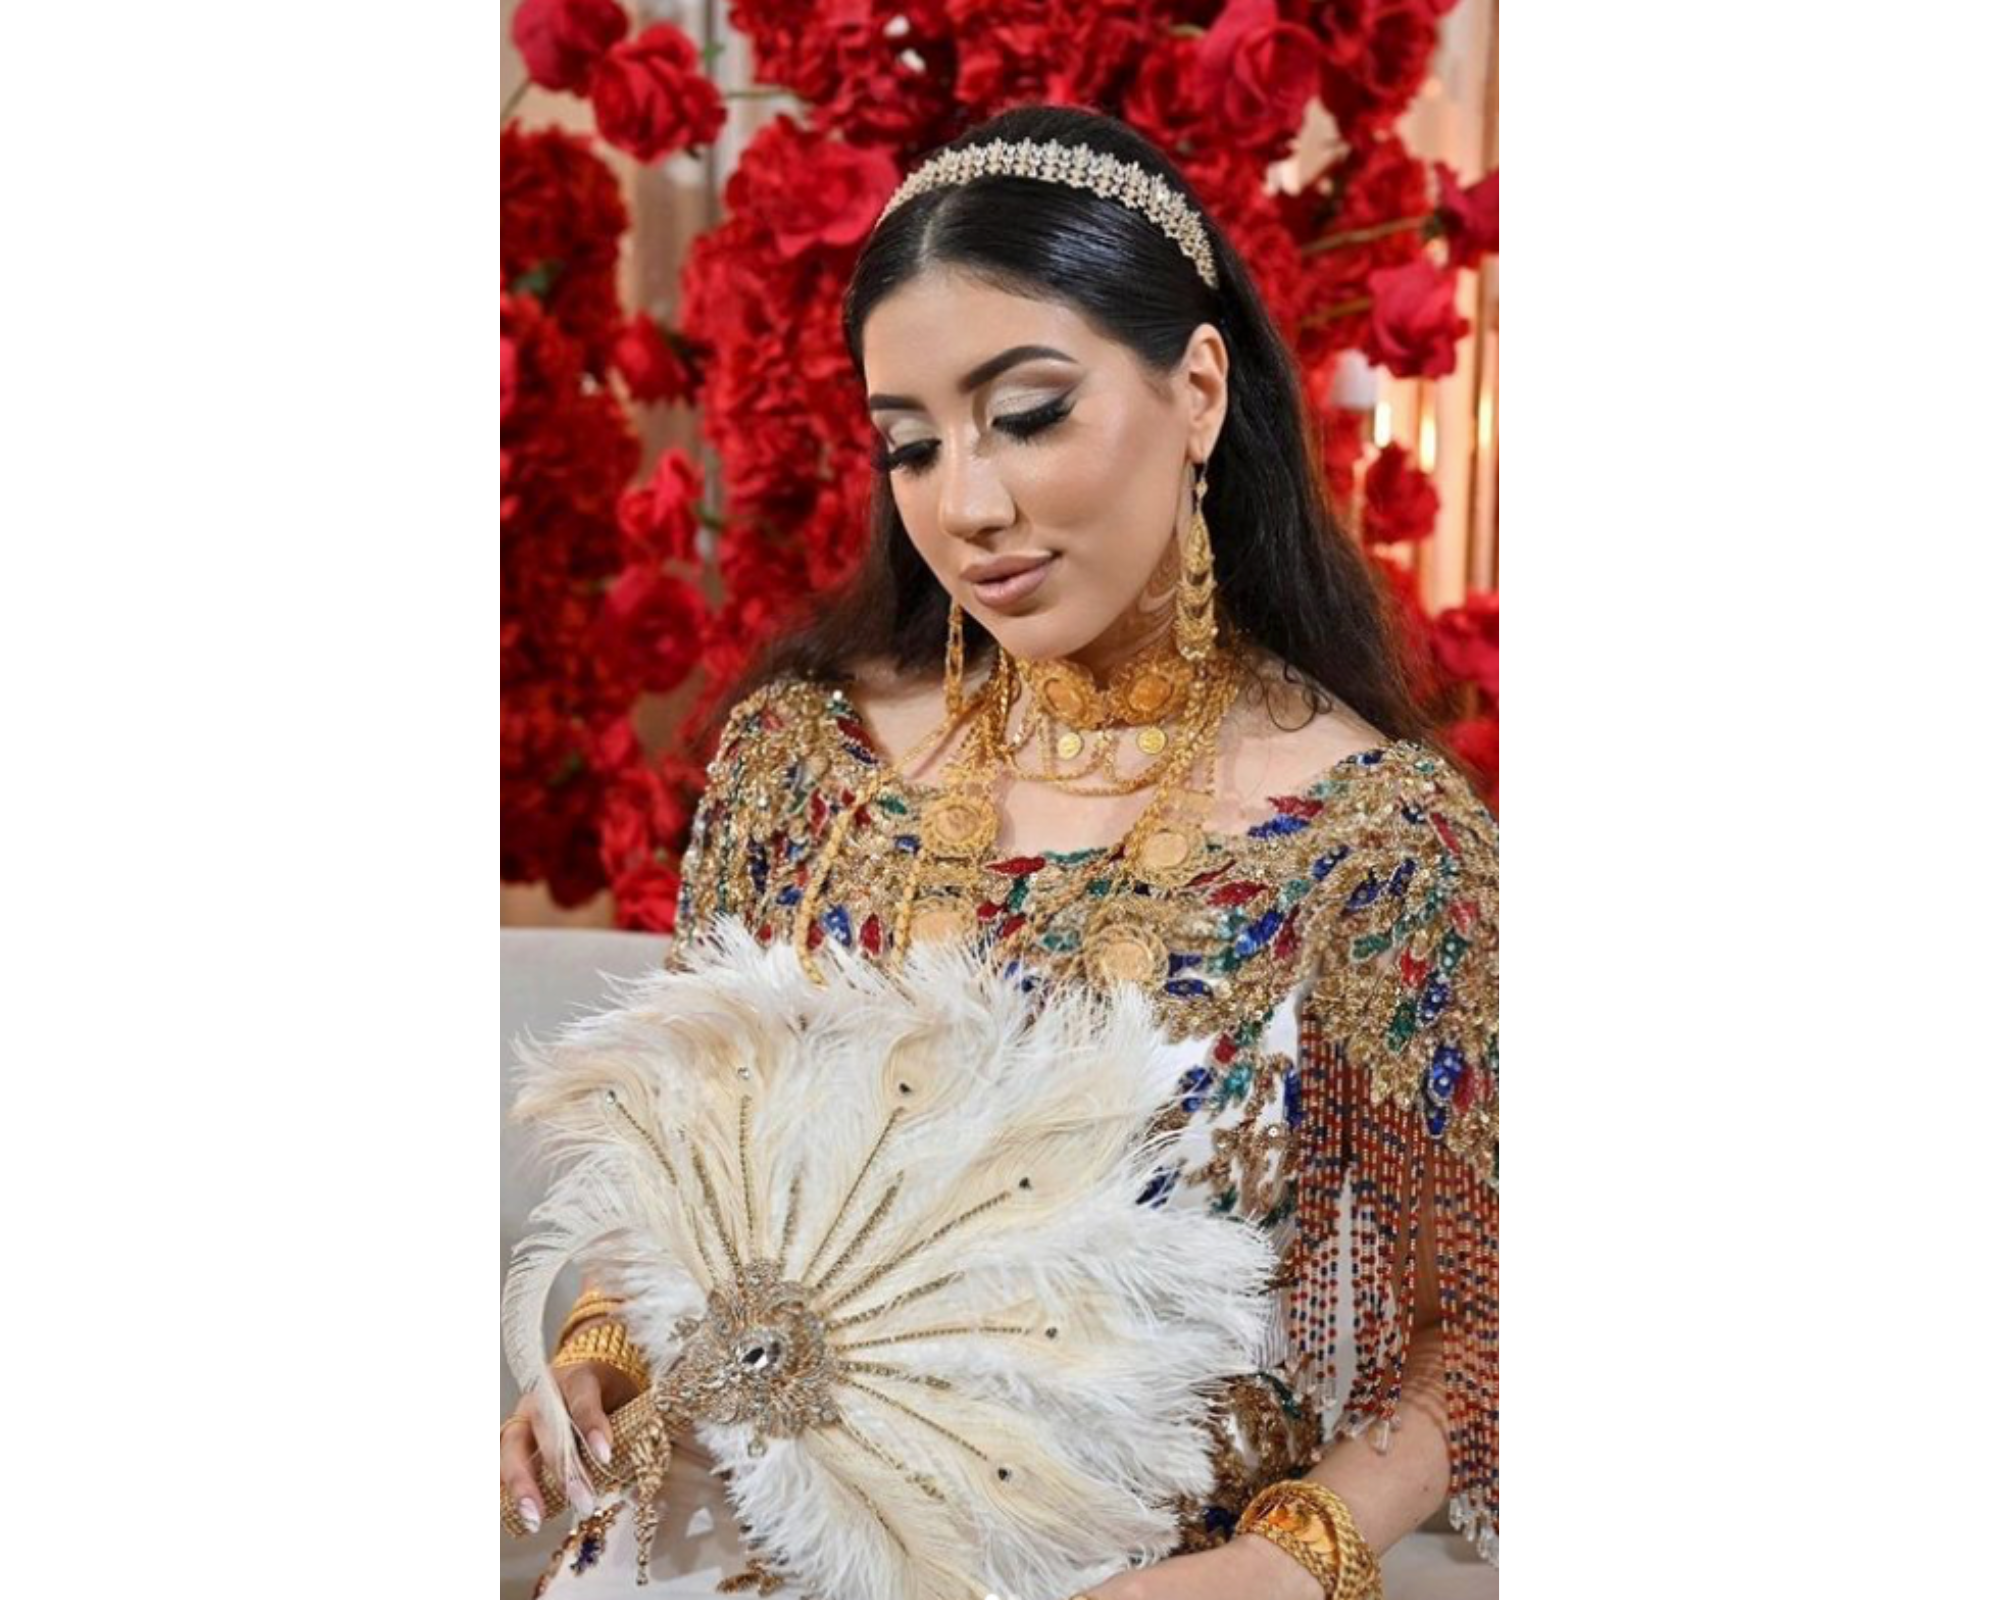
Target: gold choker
(1147,689)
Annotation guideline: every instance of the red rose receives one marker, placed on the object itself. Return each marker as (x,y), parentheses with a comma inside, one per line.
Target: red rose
(1466,643)
(657,519)
(1414,326)
(561,40)
(648,363)
(1009,51)
(1340,445)
(1373,60)
(1164,102)
(1257,74)
(1402,503)
(1413,626)
(1476,741)
(657,623)
(650,96)
(1468,218)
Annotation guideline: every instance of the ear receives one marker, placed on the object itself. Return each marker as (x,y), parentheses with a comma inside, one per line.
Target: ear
(1204,379)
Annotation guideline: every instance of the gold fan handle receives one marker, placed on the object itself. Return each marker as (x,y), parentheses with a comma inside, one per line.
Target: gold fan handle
(630,1424)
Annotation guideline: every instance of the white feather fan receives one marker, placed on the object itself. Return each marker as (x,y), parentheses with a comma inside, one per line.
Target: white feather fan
(880,1238)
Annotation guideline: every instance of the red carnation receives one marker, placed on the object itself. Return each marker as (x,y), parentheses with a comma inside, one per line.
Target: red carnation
(648,363)
(651,98)
(1402,502)
(1414,326)
(1469,219)
(811,192)
(561,40)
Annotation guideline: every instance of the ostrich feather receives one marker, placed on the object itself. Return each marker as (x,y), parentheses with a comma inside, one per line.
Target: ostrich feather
(880,1236)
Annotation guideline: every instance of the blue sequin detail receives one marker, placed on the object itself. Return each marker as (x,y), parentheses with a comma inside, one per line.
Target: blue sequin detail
(760,867)
(837,924)
(1295,1099)
(1186,988)
(907,842)
(1180,963)
(1327,863)
(1447,1067)
(1405,871)
(1278,827)
(1365,894)
(1194,1088)
(1436,996)
(790,895)
(1259,933)
(1436,1120)
(1159,1188)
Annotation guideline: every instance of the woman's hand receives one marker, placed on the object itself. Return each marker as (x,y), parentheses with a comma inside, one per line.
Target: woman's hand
(589,1392)
(1243,1569)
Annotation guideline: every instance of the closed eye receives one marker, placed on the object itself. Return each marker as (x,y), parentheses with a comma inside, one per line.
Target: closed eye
(916,457)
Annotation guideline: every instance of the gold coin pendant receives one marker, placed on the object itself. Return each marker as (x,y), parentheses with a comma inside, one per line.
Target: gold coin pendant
(1152,740)
(1127,954)
(960,825)
(1166,849)
(1070,744)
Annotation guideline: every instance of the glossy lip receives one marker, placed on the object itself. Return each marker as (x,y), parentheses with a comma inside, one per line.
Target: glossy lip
(1021,581)
(1004,567)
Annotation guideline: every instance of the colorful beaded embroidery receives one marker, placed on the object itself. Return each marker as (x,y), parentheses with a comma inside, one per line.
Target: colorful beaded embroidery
(1374,890)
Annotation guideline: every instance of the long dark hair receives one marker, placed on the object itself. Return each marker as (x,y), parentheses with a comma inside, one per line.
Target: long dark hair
(1287,575)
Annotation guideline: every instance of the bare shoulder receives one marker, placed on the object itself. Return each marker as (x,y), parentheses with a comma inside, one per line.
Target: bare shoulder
(899,708)
(1287,735)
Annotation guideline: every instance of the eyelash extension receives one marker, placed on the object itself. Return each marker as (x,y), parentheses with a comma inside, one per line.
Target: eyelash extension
(1022,425)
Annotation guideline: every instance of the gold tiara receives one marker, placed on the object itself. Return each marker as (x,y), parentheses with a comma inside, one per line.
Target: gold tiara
(1080,167)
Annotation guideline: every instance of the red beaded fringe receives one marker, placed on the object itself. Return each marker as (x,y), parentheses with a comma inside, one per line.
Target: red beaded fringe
(1384,1155)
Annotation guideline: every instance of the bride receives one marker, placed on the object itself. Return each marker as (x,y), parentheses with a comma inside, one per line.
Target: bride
(1111,699)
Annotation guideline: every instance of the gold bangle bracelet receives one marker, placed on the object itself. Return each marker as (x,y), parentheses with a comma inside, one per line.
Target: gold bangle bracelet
(609,1344)
(1312,1525)
(591,1303)
(628,1423)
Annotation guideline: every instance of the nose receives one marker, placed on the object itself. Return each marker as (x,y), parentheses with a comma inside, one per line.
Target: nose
(972,500)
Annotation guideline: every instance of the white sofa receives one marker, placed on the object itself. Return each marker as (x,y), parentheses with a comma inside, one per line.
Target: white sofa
(550,974)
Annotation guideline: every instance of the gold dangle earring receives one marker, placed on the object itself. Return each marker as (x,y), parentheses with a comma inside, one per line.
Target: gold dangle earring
(954,662)
(1194,604)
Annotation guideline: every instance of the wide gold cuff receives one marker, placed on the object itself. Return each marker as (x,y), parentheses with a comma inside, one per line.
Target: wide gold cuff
(1312,1525)
(605,1342)
(630,1425)
(592,1303)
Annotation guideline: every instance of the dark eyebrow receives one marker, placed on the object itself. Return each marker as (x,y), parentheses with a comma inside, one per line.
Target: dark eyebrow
(984,373)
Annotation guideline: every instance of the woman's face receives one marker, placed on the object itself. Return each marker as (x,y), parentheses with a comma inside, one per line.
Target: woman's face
(1019,441)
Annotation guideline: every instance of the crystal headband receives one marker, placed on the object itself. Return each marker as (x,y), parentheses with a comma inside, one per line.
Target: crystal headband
(1078,166)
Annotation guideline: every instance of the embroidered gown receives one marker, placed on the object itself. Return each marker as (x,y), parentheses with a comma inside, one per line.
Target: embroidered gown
(1331,981)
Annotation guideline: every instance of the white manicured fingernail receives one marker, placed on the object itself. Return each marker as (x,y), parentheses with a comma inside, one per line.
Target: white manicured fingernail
(600,1446)
(530,1515)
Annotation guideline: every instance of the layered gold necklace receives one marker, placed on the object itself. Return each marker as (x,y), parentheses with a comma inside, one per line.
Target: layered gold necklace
(1067,710)
(960,824)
